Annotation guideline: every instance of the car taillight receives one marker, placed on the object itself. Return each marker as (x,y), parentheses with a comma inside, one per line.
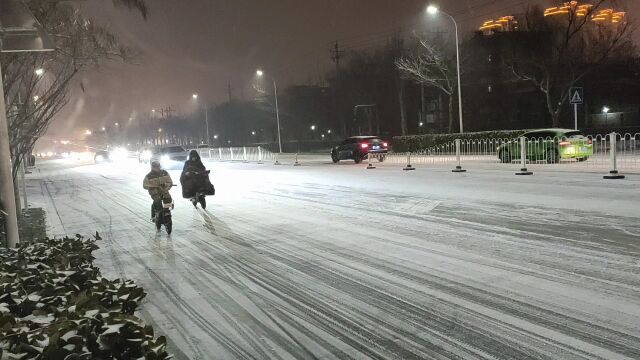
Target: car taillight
(385,144)
(364,145)
(565,143)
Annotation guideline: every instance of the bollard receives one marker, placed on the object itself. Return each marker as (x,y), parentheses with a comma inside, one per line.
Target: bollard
(408,167)
(277,162)
(260,155)
(244,154)
(613,174)
(296,163)
(458,168)
(231,152)
(523,157)
(369,164)
(220,153)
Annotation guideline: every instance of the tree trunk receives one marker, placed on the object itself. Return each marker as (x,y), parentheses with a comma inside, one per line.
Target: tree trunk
(403,115)
(450,113)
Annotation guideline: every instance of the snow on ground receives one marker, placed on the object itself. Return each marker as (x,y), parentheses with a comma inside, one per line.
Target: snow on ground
(335,261)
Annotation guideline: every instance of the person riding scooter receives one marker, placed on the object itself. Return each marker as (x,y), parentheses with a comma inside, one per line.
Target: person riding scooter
(157,182)
(195,180)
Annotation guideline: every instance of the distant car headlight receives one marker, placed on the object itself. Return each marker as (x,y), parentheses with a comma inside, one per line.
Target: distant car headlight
(118,154)
(145,155)
(165,161)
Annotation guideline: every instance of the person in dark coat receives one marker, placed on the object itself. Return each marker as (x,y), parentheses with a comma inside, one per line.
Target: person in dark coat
(194,180)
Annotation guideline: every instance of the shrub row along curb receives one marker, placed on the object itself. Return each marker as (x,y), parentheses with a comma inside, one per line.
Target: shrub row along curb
(417,143)
(54,304)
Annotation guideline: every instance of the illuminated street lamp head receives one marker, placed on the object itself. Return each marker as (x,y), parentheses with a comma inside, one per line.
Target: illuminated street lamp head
(605,109)
(259,72)
(159,129)
(195,96)
(253,133)
(35,98)
(432,10)
(313,127)
(104,128)
(329,131)
(421,124)
(39,71)
(117,124)
(215,137)
(87,132)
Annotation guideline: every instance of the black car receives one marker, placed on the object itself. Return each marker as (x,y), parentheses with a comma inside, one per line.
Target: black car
(358,148)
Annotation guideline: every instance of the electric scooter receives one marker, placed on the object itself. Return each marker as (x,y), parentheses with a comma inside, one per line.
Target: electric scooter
(199,196)
(163,216)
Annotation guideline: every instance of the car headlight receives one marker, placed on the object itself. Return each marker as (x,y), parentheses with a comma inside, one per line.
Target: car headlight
(165,161)
(118,153)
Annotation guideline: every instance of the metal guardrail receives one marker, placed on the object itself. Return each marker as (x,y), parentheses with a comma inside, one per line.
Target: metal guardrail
(539,152)
(245,154)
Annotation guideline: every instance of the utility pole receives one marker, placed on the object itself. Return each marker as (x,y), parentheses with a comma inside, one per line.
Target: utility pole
(229,91)
(336,55)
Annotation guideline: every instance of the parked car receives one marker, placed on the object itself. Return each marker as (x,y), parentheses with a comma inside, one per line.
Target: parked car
(358,148)
(550,145)
(170,156)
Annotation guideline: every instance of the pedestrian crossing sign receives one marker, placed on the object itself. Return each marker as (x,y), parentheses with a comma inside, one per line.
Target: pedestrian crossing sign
(576,95)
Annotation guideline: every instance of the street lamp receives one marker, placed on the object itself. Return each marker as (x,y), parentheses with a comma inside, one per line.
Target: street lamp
(36,98)
(39,71)
(329,131)
(117,124)
(434,10)
(605,109)
(253,133)
(260,73)
(206,116)
(87,132)
(104,128)
(421,124)
(159,130)
(313,127)
(215,137)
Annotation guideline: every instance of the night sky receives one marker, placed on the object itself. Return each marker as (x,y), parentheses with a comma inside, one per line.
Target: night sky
(203,45)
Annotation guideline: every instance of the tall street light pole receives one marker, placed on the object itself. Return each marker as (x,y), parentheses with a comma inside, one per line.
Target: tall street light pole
(433,10)
(206,118)
(260,73)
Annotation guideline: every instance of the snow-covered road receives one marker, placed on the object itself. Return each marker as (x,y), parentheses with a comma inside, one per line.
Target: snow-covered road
(334,261)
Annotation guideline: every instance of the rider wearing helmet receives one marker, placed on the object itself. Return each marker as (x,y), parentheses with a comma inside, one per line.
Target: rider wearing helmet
(157,182)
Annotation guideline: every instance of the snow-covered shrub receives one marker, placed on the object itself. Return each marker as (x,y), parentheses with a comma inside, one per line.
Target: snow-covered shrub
(415,143)
(54,304)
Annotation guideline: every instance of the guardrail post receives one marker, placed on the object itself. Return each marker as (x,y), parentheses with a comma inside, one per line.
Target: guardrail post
(296,163)
(408,167)
(523,157)
(231,152)
(458,168)
(220,153)
(369,164)
(613,174)
(259,155)
(244,154)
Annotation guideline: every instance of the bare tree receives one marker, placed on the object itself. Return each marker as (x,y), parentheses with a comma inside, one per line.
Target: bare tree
(36,85)
(429,65)
(554,53)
